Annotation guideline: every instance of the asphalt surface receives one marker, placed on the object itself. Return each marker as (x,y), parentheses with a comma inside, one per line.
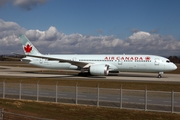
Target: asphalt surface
(122,76)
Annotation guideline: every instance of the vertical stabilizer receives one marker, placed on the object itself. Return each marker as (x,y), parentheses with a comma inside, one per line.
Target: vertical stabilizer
(28,47)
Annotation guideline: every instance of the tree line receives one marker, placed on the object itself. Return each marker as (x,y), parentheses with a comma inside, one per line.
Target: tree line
(174,59)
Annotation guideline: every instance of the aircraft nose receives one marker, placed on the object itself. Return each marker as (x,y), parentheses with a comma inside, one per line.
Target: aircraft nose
(175,67)
(172,67)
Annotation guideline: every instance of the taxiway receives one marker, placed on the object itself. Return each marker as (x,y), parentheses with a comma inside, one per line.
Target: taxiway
(122,76)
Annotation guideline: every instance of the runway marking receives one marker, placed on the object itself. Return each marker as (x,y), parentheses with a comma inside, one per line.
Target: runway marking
(123,98)
(45,93)
(82,96)
(12,91)
(63,94)
(102,97)
(27,92)
(169,101)
(143,100)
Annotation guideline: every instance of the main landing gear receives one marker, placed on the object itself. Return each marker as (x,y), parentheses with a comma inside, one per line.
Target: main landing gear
(160,74)
(84,74)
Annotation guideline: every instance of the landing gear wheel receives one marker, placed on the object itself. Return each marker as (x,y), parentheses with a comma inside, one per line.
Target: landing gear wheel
(84,74)
(159,76)
(80,74)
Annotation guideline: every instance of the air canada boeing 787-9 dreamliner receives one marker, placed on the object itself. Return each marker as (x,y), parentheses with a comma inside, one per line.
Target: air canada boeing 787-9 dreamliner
(95,64)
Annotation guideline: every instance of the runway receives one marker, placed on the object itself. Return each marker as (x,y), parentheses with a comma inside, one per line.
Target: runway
(122,76)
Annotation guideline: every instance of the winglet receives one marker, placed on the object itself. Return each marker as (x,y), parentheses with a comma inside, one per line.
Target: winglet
(28,47)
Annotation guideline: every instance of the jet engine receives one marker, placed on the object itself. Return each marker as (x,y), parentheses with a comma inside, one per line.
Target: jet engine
(100,69)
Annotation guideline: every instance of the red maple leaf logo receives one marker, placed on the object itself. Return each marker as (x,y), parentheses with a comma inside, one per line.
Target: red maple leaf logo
(148,58)
(28,48)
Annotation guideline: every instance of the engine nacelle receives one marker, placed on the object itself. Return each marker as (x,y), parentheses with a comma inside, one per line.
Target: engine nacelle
(99,69)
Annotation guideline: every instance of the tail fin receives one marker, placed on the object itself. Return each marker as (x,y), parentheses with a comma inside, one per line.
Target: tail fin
(28,47)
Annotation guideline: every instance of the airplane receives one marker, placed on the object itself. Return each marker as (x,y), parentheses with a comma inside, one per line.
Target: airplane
(94,64)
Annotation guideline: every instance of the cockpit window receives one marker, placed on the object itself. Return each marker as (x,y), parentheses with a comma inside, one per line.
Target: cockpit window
(168,61)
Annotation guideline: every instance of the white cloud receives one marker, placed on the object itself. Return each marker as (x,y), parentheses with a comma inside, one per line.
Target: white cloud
(28,4)
(23,4)
(6,26)
(140,35)
(53,41)
(8,33)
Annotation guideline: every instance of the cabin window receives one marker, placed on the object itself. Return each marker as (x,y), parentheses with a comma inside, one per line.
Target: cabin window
(168,61)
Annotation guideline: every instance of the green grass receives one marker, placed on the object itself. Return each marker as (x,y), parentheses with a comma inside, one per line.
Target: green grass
(79,112)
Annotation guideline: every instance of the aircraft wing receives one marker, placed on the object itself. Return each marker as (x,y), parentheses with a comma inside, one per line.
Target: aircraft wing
(77,63)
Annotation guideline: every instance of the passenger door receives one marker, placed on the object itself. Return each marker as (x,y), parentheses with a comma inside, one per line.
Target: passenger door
(156,62)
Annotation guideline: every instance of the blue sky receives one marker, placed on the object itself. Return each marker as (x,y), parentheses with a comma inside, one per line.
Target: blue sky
(118,18)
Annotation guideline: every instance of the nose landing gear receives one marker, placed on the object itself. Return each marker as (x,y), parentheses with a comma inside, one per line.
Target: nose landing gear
(160,74)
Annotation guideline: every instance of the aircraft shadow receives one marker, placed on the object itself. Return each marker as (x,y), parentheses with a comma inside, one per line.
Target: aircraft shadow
(89,76)
(134,75)
(63,75)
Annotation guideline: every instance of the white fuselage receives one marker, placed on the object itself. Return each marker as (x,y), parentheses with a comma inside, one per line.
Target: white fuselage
(134,63)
